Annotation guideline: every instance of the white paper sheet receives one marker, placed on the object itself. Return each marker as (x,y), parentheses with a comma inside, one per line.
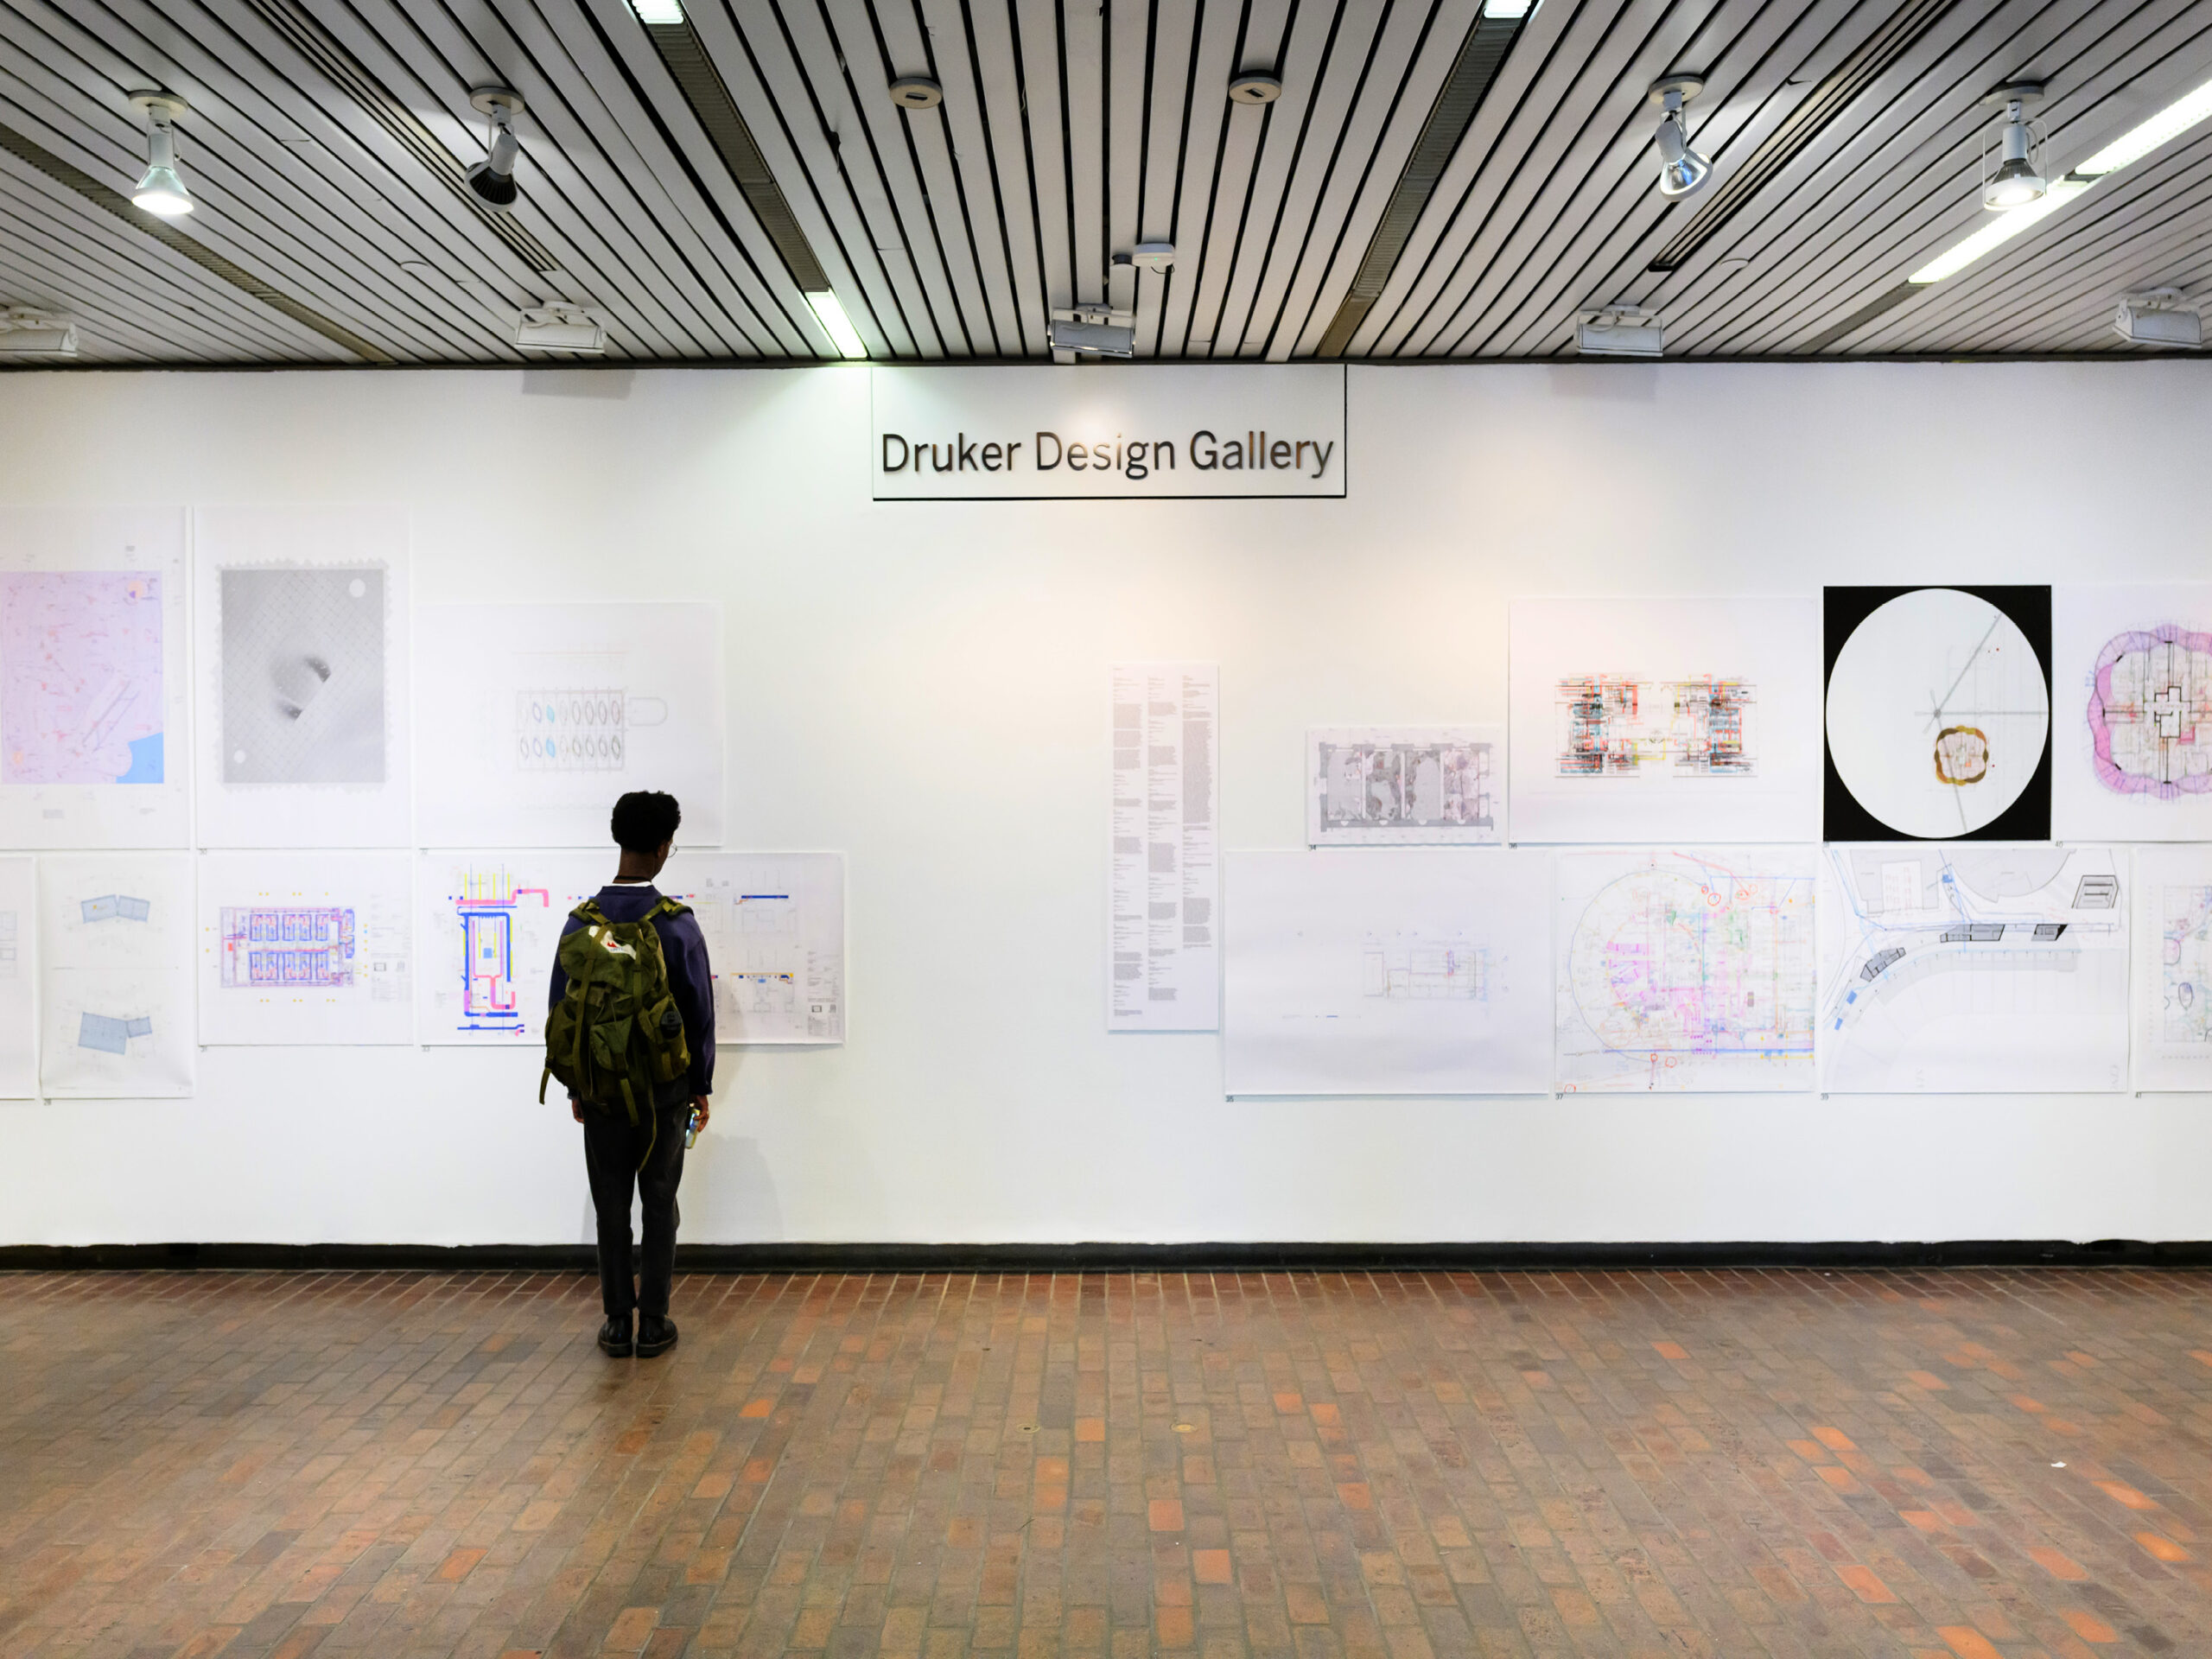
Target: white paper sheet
(775,925)
(488,925)
(306,948)
(1972,969)
(1666,719)
(1405,786)
(18,966)
(1163,957)
(532,719)
(1388,973)
(92,703)
(1686,968)
(2133,681)
(2173,987)
(115,975)
(302,626)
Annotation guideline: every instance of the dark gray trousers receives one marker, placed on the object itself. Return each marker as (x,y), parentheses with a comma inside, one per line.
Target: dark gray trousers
(612,1150)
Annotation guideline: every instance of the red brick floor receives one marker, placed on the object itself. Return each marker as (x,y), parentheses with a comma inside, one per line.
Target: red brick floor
(1940,1466)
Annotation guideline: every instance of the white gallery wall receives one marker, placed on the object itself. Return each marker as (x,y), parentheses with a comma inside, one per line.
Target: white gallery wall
(922,686)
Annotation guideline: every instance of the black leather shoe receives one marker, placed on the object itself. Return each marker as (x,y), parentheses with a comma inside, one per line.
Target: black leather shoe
(655,1336)
(615,1338)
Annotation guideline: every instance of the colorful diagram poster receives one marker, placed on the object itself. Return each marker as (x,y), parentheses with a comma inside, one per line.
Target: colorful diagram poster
(305,948)
(488,927)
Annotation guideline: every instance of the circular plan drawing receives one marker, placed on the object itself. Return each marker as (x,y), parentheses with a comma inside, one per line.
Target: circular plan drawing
(1936,713)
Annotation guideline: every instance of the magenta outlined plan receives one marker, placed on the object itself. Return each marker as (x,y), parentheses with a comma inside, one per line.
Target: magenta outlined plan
(2133,759)
(115,972)
(775,925)
(488,926)
(310,947)
(1391,972)
(1686,968)
(92,704)
(2172,985)
(18,1003)
(1163,960)
(1643,719)
(1405,786)
(1970,969)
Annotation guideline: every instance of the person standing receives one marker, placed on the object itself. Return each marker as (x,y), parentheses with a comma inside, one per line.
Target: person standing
(632,1144)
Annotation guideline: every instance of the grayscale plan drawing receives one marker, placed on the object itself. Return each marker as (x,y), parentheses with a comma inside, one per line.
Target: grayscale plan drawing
(1972,968)
(302,737)
(774,924)
(488,927)
(1650,718)
(1405,787)
(115,975)
(2172,985)
(1686,968)
(1163,951)
(2133,759)
(306,948)
(18,961)
(93,698)
(533,718)
(1389,972)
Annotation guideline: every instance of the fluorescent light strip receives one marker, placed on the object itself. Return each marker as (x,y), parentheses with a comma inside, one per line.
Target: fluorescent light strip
(658,12)
(2130,147)
(840,327)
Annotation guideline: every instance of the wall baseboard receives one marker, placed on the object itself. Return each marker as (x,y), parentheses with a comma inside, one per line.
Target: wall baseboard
(1120,1258)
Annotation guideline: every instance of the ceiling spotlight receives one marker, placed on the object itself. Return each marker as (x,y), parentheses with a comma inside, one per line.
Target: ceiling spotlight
(29,333)
(558,327)
(1083,334)
(2011,169)
(1255,89)
(492,179)
(2162,317)
(916,92)
(1619,331)
(162,190)
(1682,171)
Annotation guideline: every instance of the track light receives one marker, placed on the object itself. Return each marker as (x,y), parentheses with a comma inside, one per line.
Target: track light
(2162,317)
(162,188)
(1682,171)
(2011,169)
(1619,331)
(29,333)
(492,179)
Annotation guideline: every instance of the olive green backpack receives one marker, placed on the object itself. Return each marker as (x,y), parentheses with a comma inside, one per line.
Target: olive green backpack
(616,1036)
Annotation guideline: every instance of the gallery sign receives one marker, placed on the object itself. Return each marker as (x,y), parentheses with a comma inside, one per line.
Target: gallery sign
(1107,431)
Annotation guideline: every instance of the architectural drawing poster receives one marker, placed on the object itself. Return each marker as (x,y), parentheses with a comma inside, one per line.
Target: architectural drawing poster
(2131,682)
(115,975)
(1405,786)
(1393,972)
(305,948)
(2173,987)
(532,719)
(775,925)
(1686,968)
(301,624)
(488,925)
(1163,959)
(92,704)
(18,995)
(1665,719)
(1948,969)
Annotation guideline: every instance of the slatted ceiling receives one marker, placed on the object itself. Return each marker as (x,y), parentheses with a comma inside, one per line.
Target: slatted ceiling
(1069,133)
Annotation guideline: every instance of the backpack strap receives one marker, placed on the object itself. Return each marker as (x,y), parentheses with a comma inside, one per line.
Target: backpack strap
(590,911)
(667,907)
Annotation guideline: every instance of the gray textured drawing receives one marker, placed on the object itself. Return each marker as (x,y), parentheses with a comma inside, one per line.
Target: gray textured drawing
(303,664)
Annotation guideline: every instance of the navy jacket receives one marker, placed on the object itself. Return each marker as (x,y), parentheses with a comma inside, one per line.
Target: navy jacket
(691,980)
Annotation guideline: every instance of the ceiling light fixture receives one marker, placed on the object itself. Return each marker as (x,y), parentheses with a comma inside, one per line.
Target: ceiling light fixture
(1511,8)
(1255,89)
(2129,148)
(1619,330)
(27,333)
(658,12)
(492,179)
(916,92)
(2011,168)
(1080,334)
(2164,316)
(162,189)
(830,312)
(1682,171)
(559,327)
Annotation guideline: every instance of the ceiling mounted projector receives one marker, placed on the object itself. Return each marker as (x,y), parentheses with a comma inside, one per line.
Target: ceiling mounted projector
(1619,331)
(2011,169)
(1682,171)
(1106,339)
(492,179)
(27,333)
(160,190)
(2162,317)
(559,328)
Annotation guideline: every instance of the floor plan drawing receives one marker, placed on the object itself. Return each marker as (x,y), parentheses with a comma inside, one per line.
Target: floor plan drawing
(774,924)
(1972,968)
(2150,714)
(306,948)
(2133,744)
(1410,966)
(1686,968)
(2173,988)
(287,946)
(115,975)
(1405,787)
(489,925)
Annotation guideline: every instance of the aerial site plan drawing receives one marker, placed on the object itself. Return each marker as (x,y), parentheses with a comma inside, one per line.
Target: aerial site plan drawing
(1968,969)
(305,948)
(2134,758)
(115,972)
(2173,968)
(1649,719)
(92,693)
(1686,968)
(1405,787)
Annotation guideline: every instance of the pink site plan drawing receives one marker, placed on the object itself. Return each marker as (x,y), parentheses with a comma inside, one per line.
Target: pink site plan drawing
(80,701)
